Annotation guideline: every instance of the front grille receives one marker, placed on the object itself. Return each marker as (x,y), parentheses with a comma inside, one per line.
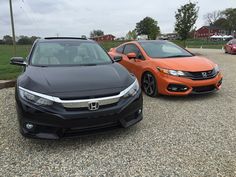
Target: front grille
(203,89)
(86,108)
(203,75)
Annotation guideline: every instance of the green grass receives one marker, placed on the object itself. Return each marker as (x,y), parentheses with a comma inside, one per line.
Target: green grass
(8,71)
(201,43)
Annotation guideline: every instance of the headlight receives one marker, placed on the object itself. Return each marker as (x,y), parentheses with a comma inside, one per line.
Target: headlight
(171,72)
(217,69)
(35,98)
(132,90)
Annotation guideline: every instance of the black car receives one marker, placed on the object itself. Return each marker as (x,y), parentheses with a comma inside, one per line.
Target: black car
(70,86)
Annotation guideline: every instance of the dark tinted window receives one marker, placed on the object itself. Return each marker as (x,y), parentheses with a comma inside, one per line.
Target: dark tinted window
(131,48)
(120,49)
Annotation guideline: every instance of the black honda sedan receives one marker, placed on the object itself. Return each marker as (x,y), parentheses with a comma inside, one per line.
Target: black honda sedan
(71,86)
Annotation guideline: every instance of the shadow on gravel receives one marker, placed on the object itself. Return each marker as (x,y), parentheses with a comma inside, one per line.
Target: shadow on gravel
(79,142)
(189,97)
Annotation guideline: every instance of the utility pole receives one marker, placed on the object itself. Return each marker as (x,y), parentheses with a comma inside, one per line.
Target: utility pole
(13,28)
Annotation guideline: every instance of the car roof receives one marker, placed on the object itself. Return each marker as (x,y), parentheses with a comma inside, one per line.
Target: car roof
(54,39)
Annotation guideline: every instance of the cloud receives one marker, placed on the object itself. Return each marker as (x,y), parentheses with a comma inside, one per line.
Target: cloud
(75,18)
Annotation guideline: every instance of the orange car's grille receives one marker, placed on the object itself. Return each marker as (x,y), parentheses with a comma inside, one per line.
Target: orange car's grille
(202,75)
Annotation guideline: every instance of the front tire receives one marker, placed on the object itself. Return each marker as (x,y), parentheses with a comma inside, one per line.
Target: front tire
(149,84)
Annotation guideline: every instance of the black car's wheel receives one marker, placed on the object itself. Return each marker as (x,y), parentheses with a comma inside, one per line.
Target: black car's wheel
(149,84)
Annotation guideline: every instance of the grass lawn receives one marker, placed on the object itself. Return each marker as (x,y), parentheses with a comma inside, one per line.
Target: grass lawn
(8,71)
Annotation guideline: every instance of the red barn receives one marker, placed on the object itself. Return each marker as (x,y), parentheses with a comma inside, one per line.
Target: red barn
(208,31)
(108,37)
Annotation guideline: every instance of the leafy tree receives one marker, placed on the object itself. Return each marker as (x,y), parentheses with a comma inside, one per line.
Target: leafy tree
(24,40)
(222,23)
(131,35)
(148,26)
(230,16)
(186,17)
(7,39)
(95,33)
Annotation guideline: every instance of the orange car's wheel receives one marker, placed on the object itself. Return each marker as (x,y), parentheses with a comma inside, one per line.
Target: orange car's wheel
(149,84)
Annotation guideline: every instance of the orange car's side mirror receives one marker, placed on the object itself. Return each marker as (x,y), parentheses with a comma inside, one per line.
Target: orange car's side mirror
(131,55)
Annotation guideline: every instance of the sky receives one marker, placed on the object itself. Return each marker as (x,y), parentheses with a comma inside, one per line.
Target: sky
(79,17)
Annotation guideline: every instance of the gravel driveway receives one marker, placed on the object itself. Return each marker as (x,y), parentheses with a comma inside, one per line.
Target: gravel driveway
(179,136)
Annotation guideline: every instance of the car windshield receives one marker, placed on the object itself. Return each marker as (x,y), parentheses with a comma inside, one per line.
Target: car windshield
(232,42)
(61,53)
(164,49)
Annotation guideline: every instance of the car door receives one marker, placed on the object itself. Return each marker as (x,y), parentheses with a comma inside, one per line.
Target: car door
(134,65)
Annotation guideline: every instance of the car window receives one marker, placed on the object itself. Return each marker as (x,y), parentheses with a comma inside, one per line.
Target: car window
(69,53)
(232,42)
(131,48)
(120,49)
(164,49)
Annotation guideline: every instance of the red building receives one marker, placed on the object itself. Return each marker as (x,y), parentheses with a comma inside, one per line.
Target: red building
(208,31)
(108,37)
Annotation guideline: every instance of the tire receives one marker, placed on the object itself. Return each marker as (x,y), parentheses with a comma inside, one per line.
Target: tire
(149,84)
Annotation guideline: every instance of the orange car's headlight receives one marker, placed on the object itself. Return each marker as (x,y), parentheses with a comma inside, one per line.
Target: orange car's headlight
(171,72)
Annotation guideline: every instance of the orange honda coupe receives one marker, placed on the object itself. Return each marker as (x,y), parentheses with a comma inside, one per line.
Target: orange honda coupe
(165,68)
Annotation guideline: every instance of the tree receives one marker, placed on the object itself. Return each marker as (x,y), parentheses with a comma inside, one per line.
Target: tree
(95,33)
(131,35)
(212,17)
(222,23)
(186,17)
(230,16)
(7,39)
(24,40)
(148,26)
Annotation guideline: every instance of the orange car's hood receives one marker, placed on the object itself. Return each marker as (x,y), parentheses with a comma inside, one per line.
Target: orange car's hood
(192,64)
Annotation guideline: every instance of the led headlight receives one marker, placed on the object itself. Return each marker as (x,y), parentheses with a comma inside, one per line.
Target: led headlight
(35,98)
(217,69)
(171,72)
(132,90)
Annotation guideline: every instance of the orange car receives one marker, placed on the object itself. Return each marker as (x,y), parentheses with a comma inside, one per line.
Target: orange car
(165,68)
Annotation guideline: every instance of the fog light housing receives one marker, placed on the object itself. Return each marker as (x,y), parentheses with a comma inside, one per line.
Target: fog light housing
(29,126)
(219,83)
(139,111)
(177,88)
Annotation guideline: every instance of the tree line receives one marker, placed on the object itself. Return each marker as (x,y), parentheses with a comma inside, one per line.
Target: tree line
(21,40)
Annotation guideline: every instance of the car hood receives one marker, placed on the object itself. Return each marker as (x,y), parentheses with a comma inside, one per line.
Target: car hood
(191,64)
(77,81)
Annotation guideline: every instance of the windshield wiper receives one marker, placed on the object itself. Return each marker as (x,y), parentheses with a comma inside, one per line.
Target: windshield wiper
(88,65)
(176,56)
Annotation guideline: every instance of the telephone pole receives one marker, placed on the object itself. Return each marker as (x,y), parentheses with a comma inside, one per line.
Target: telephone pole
(13,28)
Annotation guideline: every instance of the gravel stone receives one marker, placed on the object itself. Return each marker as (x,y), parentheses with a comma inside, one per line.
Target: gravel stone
(179,136)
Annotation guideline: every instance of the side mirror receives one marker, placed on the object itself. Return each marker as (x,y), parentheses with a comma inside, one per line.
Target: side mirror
(117,58)
(131,55)
(18,61)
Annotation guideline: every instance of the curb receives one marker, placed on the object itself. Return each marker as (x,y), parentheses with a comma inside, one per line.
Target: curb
(7,83)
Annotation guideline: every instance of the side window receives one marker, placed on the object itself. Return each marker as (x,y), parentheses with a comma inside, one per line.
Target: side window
(131,48)
(120,49)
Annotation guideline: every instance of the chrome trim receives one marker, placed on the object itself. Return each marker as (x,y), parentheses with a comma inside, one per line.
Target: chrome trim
(84,102)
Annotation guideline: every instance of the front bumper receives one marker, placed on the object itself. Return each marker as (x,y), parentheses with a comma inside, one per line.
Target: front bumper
(193,86)
(59,122)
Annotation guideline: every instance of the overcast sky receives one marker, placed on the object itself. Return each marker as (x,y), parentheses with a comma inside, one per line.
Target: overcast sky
(77,17)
